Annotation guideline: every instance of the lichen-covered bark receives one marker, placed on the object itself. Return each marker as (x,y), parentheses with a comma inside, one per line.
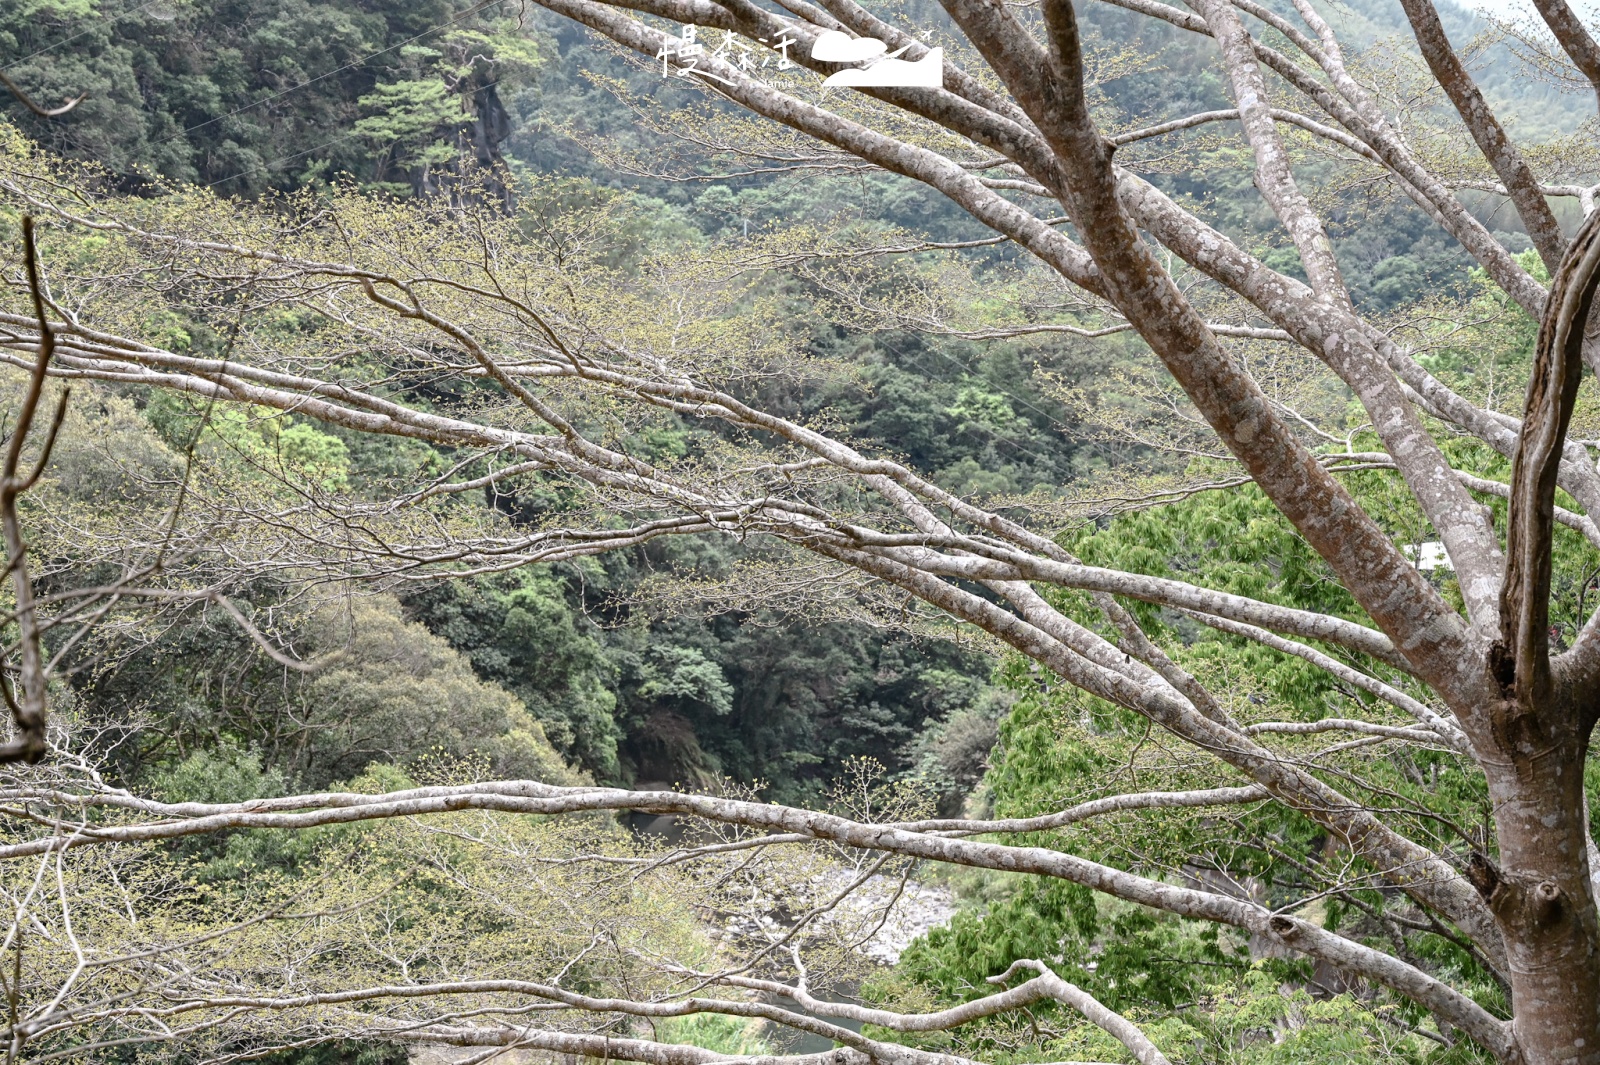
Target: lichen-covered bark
(1538,729)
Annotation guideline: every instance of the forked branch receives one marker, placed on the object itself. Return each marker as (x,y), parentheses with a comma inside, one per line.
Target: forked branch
(1521,661)
(29,704)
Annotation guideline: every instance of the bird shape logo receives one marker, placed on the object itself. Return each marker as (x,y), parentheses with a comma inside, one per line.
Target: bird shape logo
(884,69)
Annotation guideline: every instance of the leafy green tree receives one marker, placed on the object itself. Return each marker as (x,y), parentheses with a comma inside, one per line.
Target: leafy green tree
(247,95)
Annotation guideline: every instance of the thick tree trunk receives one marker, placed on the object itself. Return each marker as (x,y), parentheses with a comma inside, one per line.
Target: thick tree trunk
(1534,738)
(1540,893)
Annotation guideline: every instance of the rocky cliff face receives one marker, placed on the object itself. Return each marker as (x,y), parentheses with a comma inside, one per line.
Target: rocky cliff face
(476,174)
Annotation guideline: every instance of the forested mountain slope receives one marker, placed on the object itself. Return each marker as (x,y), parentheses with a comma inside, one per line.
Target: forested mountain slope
(249,96)
(352,611)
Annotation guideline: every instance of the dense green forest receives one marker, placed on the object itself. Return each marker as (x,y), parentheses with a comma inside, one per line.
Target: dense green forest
(691,662)
(243,99)
(252,97)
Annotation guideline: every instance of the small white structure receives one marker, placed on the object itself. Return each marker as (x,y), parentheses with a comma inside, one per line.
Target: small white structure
(1428,555)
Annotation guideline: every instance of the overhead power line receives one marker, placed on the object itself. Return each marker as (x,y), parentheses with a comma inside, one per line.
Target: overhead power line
(270,163)
(52,47)
(328,74)
(277,95)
